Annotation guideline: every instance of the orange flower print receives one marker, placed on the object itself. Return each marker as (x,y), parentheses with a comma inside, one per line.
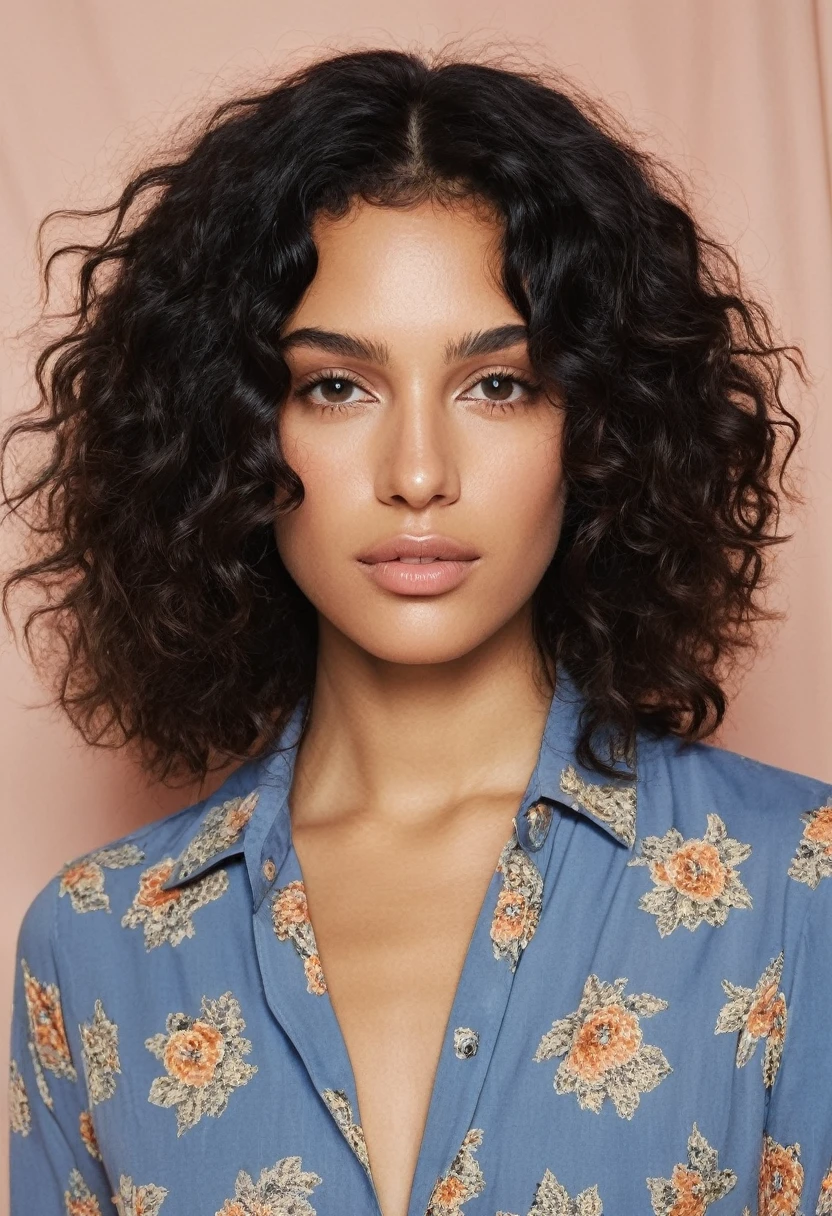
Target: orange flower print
(222,827)
(290,918)
(138,1200)
(463,1181)
(552,1199)
(281,1190)
(757,1013)
(824,1205)
(203,1059)
(48,1044)
(781,1179)
(289,906)
(604,1054)
(83,879)
(518,905)
(813,859)
(614,804)
(79,1199)
(695,880)
(86,1129)
(166,916)
(99,1051)
(20,1113)
(341,1109)
(693,1186)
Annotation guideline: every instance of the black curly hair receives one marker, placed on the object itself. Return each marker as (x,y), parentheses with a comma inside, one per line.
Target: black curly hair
(153,530)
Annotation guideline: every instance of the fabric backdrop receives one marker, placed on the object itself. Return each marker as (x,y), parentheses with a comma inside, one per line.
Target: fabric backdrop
(737,93)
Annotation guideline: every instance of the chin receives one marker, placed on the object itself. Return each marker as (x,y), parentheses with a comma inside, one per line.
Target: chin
(417,647)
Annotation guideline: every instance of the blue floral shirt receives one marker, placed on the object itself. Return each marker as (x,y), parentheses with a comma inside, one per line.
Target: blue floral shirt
(643,1022)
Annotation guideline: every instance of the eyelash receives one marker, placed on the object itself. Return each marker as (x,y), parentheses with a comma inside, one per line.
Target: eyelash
(305,390)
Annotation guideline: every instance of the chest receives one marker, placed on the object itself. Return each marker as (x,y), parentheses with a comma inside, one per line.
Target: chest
(600,1084)
(393,919)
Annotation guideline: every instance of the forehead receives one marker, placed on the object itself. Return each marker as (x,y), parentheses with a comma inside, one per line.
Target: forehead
(471,219)
(408,267)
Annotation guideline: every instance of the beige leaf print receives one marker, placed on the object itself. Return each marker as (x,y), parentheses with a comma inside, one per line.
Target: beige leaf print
(281,1190)
(696,880)
(138,1200)
(166,916)
(694,1185)
(463,1181)
(757,1013)
(341,1109)
(813,858)
(781,1179)
(603,1049)
(615,804)
(20,1113)
(552,1199)
(79,1199)
(99,1050)
(40,1076)
(290,919)
(83,878)
(203,1059)
(519,902)
(221,828)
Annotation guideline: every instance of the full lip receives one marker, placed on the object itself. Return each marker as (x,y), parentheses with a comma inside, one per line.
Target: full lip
(426,548)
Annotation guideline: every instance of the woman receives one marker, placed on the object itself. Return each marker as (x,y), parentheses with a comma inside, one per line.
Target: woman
(416,448)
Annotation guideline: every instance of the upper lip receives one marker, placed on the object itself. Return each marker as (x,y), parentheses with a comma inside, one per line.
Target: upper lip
(426,547)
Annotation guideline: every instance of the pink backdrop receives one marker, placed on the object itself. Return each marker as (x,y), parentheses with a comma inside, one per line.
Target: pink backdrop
(738,93)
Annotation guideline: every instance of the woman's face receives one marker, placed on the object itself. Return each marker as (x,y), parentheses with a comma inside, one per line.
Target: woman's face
(410,414)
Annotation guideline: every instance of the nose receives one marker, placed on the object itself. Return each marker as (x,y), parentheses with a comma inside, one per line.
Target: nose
(417,460)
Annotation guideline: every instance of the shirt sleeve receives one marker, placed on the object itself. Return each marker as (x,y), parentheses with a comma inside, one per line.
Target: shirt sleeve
(54,1161)
(796,1160)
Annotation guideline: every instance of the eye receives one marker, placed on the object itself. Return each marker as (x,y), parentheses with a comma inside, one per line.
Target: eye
(332,390)
(500,389)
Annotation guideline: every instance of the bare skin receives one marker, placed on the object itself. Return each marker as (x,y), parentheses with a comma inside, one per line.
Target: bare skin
(428,709)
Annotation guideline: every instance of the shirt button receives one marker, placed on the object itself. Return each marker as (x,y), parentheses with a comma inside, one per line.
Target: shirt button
(466,1042)
(538,821)
(269,869)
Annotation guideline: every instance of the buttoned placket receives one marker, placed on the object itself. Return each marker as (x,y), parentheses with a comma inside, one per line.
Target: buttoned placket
(478,1009)
(484,986)
(309,1018)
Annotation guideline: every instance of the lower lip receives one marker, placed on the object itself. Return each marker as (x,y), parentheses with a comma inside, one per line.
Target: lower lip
(419,578)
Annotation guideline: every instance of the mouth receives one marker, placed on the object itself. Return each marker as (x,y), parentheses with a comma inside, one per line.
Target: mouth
(420,561)
(413,550)
(419,576)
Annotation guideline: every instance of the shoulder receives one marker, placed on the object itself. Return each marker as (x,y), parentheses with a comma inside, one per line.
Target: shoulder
(85,882)
(98,885)
(706,769)
(772,824)
(683,781)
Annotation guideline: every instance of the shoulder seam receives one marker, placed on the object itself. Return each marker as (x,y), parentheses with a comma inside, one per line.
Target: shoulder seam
(708,746)
(139,833)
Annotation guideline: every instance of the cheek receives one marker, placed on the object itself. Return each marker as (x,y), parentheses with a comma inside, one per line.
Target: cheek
(331,493)
(522,490)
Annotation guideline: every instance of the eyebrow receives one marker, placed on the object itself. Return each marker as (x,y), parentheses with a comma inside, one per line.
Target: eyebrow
(484,342)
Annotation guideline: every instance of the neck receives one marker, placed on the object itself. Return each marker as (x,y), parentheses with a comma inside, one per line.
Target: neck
(400,741)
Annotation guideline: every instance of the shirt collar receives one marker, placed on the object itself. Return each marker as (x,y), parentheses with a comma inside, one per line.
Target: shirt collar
(249,813)
(558,776)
